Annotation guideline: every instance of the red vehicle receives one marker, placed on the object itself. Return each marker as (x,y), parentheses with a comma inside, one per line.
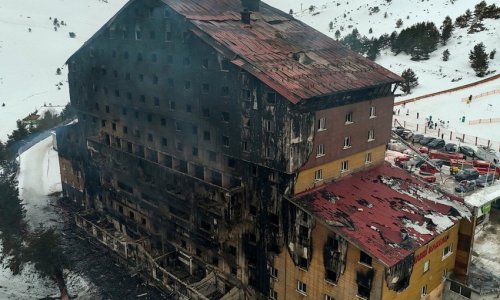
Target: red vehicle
(484,167)
(427,169)
(444,155)
(427,178)
(423,150)
(398,160)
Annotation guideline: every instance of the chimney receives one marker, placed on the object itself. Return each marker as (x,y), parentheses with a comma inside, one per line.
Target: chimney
(251,5)
(245,16)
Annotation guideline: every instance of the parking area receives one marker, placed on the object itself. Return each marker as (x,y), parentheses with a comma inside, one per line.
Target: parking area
(458,169)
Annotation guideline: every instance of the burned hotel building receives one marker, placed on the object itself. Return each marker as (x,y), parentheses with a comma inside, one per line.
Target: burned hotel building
(226,150)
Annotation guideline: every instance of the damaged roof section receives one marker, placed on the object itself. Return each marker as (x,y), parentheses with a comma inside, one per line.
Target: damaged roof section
(290,57)
(385,211)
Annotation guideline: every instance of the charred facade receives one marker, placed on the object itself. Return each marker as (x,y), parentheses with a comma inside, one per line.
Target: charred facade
(198,121)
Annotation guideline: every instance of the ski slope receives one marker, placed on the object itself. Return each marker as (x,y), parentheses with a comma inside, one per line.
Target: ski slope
(29,60)
(434,74)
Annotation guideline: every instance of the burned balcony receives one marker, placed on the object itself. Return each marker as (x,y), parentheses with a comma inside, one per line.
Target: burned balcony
(103,154)
(398,277)
(334,257)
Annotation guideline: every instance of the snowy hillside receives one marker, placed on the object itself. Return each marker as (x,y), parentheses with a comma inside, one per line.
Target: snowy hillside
(434,74)
(29,60)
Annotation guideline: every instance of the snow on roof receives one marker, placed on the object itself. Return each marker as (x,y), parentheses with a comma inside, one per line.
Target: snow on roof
(484,196)
(385,211)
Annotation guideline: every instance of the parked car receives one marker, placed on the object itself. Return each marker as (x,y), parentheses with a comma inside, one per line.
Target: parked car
(450,147)
(485,180)
(426,140)
(440,162)
(398,130)
(417,137)
(436,144)
(466,174)
(468,151)
(396,146)
(407,134)
(488,154)
(466,186)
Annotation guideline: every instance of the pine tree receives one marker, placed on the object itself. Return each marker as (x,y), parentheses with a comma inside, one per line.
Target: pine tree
(395,42)
(330,25)
(370,31)
(419,40)
(3,152)
(492,53)
(12,223)
(312,8)
(480,9)
(478,59)
(18,134)
(410,80)
(447,29)
(43,250)
(373,49)
(463,20)
(476,26)
(446,55)
(290,12)
(399,23)
(353,41)
(491,12)
(337,34)
(20,246)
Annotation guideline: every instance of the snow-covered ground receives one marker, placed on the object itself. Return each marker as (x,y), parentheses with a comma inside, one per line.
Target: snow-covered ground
(450,107)
(29,60)
(434,74)
(38,177)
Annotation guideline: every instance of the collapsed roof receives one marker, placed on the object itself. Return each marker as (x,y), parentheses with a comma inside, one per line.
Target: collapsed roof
(386,212)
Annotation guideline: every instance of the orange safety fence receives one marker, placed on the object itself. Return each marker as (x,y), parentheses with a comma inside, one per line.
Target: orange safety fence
(484,121)
(481,95)
(448,90)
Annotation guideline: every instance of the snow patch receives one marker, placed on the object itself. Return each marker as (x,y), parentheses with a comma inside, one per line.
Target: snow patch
(442,222)
(484,196)
(421,229)
(427,194)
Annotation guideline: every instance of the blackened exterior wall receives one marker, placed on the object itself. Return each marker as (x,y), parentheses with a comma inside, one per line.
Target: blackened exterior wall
(189,152)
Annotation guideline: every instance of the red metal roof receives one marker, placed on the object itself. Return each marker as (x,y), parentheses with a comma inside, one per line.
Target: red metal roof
(292,58)
(385,211)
